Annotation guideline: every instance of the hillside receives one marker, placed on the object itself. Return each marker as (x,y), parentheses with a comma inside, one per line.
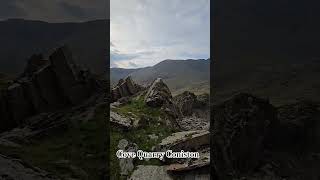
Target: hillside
(270,48)
(117,73)
(22,38)
(179,75)
(282,81)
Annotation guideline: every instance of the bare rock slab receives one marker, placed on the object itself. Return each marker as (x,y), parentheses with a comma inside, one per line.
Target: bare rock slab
(150,172)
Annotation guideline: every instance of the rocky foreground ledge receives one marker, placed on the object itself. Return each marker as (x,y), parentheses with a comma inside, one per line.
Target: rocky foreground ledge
(53,117)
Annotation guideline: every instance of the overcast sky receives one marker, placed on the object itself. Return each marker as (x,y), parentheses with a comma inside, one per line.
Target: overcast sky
(55,10)
(145,32)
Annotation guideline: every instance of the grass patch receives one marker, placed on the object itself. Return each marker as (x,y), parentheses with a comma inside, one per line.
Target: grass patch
(138,108)
(154,124)
(79,145)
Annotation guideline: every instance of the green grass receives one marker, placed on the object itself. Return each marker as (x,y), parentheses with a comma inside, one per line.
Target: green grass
(139,109)
(83,145)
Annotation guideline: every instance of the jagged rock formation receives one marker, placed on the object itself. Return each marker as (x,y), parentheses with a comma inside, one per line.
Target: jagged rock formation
(194,109)
(124,88)
(15,169)
(158,94)
(240,126)
(251,139)
(45,85)
(186,102)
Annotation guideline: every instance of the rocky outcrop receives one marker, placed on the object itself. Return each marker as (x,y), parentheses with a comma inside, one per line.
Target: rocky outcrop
(186,140)
(194,109)
(15,169)
(186,102)
(124,88)
(45,85)
(158,94)
(252,140)
(298,128)
(35,62)
(240,127)
(119,121)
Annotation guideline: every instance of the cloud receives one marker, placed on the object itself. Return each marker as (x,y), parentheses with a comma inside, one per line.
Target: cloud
(55,10)
(126,59)
(175,29)
(9,9)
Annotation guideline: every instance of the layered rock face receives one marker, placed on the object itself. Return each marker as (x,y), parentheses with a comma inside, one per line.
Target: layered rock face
(240,126)
(124,88)
(194,109)
(45,85)
(186,102)
(158,94)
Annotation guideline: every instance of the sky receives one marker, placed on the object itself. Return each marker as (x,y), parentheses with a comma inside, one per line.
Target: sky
(55,10)
(145,32)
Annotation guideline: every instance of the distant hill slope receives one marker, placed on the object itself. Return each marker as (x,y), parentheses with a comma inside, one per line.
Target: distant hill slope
(269,48)
(22,38)
(180,75)
(281,81)
(118,73)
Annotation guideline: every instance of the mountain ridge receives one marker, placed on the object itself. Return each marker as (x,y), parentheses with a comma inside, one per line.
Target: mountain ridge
(180,75)
(22,38)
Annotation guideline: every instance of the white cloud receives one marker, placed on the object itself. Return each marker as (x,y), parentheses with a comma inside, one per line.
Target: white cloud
(150,31)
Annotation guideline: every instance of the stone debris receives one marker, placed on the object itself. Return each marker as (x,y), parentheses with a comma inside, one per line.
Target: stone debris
(194,123)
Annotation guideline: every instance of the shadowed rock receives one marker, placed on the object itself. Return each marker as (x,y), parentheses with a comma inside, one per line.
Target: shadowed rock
(45,86)
(15,169)
(158,94)
(124,88)
(240,127)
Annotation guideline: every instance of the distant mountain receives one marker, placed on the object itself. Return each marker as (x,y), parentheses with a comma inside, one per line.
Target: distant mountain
(117,73)
(22,38)
(270,48)
(180,75)
(280,80)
